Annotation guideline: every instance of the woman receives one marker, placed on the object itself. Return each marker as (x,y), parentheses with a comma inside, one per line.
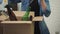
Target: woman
(40,7)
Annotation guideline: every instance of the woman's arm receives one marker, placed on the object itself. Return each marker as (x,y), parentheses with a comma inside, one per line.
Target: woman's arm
(45,7)
(43,4)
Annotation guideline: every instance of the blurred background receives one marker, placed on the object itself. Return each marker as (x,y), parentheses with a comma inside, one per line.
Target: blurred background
(53,21)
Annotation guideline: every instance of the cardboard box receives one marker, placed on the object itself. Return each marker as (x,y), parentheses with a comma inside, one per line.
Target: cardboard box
(3,18)
(19,15)
(1,29)
(18,27)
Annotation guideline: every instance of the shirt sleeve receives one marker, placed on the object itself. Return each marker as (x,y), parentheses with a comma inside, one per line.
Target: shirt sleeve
(47,11)
(25,5)
(1,1)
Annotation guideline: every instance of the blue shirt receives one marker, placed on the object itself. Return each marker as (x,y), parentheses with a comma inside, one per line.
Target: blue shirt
(47,11)
(25,4)
(1,1)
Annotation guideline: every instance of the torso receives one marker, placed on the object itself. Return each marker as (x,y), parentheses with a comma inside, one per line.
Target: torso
(35,7)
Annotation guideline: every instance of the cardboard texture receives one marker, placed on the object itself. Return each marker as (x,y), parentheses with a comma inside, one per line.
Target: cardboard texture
(19,15)
(18,27)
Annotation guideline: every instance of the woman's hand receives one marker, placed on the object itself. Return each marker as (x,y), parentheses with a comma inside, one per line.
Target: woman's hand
(43,4)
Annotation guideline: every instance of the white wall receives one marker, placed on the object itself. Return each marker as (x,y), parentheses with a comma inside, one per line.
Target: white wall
(53,21)
(3,4)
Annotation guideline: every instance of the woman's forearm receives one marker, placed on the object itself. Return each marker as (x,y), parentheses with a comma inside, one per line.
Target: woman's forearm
(46,11)
(43,4)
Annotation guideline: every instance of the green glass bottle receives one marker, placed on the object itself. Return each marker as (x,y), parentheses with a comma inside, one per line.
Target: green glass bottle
(26,15)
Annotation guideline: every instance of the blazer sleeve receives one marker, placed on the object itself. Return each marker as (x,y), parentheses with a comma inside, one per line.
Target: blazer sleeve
(47,11)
